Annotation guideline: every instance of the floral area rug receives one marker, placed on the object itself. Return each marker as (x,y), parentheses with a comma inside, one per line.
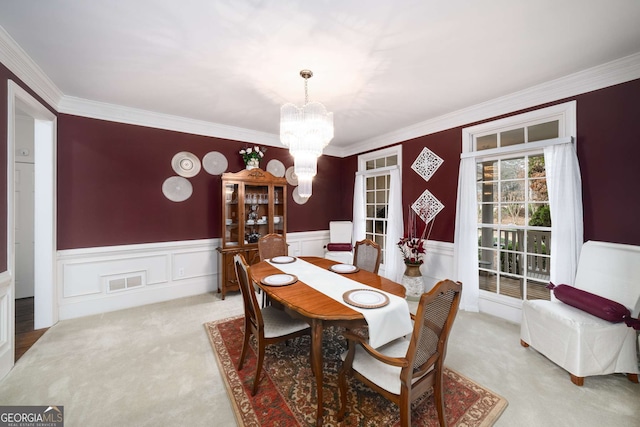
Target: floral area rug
(286,395)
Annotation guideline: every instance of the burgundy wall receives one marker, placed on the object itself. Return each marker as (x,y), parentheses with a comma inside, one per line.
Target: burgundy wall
(608,152)
(110,179)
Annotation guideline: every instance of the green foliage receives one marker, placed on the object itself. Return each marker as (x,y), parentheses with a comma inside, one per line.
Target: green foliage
(541,217)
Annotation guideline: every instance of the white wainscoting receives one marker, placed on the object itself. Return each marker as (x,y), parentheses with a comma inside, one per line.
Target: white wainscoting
(98,280)
(438,264)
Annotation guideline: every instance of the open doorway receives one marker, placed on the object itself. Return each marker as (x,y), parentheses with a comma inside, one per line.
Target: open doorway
(24,225)
(24,109)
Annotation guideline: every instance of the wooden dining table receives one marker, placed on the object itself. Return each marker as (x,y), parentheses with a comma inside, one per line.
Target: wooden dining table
(319,309)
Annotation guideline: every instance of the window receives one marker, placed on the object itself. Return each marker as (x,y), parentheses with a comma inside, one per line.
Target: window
(375,167)
(514,216)
(514,227)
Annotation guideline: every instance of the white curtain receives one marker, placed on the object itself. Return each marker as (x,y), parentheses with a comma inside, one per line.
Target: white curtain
(393,263)
(565,202)
(358,209)
(465,256)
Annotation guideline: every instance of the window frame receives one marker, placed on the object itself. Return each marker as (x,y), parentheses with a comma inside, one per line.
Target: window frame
(565,113)
(395,150)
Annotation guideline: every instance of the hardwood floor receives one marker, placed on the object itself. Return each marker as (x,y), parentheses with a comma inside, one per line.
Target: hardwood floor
(26,336)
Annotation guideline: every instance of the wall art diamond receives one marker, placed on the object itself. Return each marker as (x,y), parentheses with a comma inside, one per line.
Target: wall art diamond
(427,206)
(426,163)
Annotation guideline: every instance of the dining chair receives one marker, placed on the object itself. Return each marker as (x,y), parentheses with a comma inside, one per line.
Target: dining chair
(268,325)
(408,367)
(367,255)
(272,245)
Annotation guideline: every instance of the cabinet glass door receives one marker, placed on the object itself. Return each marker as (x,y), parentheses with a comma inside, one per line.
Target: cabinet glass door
(256,209)
(232,233)
(278,209)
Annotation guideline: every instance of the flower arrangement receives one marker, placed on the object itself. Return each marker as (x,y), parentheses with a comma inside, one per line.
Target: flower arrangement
(413,245)
(252,156)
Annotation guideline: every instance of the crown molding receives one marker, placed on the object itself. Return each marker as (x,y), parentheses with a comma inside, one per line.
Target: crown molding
(139,117)
(19,63)
(611,73)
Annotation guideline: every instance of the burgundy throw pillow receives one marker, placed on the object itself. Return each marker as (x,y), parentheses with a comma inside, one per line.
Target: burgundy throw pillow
(593,304)
(339,246)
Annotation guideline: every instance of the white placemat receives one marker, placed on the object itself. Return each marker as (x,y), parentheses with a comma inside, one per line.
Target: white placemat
(385,323)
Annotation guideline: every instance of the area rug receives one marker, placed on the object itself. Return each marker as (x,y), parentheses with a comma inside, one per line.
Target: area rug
(286,395)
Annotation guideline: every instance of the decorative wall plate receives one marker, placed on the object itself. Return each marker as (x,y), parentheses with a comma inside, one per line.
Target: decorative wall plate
(298,198)
(186,164)
(291,176)
(177,188)
(275,168)
(365,298)
(279,280)
(215,163)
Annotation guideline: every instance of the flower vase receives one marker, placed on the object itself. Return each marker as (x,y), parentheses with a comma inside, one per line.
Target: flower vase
(252,164)
(412,281)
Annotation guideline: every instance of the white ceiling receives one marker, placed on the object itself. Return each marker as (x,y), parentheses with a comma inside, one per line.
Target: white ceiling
(378,65)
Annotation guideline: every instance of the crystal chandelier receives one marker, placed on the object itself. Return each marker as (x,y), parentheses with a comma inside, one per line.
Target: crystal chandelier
(306,131)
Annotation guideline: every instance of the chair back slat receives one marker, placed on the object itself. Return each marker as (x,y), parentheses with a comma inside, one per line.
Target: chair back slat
(434,318)
(251,307)
(272,245)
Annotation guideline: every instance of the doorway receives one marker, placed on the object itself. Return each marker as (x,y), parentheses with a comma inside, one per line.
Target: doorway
(24,108)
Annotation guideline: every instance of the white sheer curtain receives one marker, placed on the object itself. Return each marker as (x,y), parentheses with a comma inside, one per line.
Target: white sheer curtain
(565,202)
(393,263)
(465,256)
(358,209)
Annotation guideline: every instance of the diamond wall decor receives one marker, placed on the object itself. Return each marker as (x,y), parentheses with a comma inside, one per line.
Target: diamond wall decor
(427,206)
(426,163)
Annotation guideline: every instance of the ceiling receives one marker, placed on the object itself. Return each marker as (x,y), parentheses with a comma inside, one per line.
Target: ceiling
(378,65)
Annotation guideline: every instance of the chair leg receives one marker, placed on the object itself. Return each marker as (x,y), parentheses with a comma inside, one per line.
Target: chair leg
(245,346)
(256,379)
(405,411)
(579,381)
(438,397)
(633,378)
(342,385)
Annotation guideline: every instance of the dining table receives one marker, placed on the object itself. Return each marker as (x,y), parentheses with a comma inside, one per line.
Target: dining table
(320,294)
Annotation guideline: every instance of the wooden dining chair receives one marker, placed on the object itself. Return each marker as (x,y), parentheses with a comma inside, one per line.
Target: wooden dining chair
(268,325)
(367,255)
(272,245)
(408,367)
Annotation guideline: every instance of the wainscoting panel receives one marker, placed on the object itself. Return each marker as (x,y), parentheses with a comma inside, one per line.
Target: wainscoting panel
(98,280)
(438,264)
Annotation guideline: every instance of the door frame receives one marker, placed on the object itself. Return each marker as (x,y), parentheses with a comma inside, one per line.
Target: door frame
(45,244)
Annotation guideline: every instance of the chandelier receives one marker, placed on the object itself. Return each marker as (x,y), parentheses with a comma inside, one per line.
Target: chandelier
(306,131)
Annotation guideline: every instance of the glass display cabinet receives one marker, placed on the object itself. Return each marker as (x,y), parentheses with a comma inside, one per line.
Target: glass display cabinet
(254,204)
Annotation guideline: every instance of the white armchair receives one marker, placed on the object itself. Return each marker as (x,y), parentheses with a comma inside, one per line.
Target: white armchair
(340,247)
(583,344)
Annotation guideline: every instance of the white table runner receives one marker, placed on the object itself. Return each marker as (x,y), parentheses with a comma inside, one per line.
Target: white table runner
(385,323)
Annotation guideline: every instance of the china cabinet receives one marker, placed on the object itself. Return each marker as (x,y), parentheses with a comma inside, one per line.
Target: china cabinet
(254,204)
